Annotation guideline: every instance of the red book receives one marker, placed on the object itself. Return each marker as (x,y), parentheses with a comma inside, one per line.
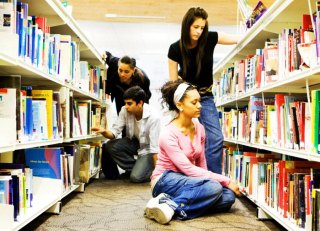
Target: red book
(259,69)
(306,27)
(286,192)
(42,23)
(279,101)
(307,193)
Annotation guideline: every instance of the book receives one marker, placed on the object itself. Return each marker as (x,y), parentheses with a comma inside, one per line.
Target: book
(48,95)
(65,58)
(58,132)
(44,162)
(315,110)
(39,115)
(28,125)
(284,168)
(271,61)
(84,113)
(14,81)
(256,14)
(8,134)
(7,17)
(84,169)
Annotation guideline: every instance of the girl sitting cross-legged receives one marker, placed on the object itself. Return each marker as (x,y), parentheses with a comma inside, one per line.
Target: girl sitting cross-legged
(181,184)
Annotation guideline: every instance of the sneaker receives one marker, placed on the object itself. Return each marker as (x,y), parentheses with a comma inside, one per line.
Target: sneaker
(159,210)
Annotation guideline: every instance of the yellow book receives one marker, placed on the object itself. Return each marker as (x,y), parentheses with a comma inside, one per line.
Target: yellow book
(48,95)
(271,129)
(24,194)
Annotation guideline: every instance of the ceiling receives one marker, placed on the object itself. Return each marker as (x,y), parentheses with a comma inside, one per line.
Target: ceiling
(221,12)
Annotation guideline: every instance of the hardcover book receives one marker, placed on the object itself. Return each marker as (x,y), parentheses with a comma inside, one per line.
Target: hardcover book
(8,116)
(45,162)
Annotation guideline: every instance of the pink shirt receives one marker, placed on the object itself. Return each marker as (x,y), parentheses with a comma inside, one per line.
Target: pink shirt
(179,154)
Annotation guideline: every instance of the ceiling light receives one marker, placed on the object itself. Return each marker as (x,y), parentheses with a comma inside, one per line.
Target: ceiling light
(134,16)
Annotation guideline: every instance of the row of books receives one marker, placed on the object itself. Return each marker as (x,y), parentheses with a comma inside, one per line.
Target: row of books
(63,165)
(16,188)
(90,160)
(284,121)
(289,51)
(17,180)
(54,54)
(31,114)
(287,186)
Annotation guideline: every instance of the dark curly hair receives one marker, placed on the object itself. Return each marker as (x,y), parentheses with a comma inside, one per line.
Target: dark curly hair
(167,91)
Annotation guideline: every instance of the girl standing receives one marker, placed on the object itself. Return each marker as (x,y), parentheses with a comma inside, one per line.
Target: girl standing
(194,55)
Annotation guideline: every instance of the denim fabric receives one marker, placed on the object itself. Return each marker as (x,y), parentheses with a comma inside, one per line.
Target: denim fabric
(122,152)
(194,196)
(209,118)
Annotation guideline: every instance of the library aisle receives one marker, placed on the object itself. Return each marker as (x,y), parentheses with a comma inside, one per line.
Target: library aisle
(118,205)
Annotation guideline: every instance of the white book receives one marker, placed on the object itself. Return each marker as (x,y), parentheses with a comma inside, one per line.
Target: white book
(83,114)
(65,58)
(307,128)
(7,17)
(8,125)
(39,115)
(84,81)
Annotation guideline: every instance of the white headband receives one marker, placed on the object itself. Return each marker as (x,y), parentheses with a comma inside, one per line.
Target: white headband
(180,92)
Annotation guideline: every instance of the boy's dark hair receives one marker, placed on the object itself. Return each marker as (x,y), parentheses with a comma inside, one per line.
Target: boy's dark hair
(135,93)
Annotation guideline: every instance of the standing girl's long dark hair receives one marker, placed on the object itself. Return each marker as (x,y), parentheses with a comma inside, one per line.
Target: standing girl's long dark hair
(185,40)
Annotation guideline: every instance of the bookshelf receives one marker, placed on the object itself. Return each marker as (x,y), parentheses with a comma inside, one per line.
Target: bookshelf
(281,15)
(47,191)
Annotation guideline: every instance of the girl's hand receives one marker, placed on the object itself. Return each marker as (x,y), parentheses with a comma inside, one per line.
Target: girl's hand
(235,188)
(104,56)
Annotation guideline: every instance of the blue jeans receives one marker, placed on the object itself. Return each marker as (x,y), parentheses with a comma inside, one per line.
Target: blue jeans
(209,118)
(193,196)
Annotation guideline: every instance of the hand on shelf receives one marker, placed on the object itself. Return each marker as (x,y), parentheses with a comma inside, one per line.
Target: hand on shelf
(235,188)
(98,130)
(106,133)
(104,56)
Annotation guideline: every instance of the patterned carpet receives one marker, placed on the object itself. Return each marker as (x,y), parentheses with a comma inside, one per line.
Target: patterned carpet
(118,205)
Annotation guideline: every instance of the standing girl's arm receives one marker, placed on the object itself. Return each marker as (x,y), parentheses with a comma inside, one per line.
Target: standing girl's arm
(228,39)
(173,70)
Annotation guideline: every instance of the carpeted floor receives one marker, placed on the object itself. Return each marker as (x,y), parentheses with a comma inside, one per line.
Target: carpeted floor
(118,205)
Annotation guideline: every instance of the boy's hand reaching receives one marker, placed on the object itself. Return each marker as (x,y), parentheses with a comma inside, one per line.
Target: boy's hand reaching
(106,133)
(98,130)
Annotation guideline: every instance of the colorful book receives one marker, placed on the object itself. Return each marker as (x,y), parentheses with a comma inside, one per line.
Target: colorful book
(48,95)
(44,162)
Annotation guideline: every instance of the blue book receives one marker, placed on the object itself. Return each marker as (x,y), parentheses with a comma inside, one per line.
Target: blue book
(29,117)
(44,162)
